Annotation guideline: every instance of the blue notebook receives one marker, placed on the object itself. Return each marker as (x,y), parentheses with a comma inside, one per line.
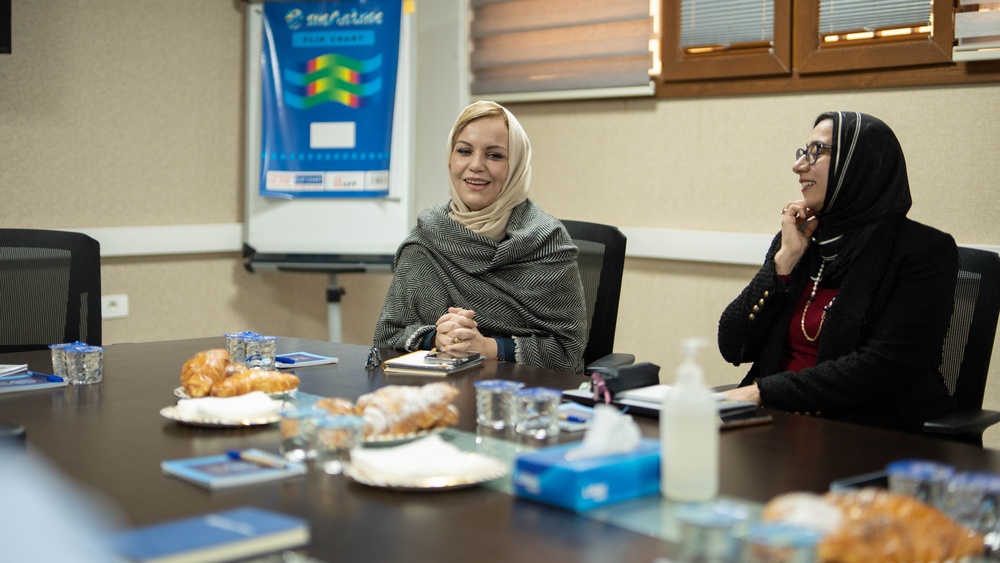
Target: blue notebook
(222,471)
(220,536)
(29,381)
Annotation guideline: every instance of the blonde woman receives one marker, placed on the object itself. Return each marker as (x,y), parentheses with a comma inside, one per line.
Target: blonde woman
(489,271)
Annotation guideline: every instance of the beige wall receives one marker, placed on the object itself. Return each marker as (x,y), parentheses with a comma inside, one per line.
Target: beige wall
(117,114)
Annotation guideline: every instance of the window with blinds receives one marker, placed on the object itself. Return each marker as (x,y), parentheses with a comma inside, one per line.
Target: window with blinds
(839,35)
(562,48)
(843,21)
(725,38)
(711,26)
(977,30)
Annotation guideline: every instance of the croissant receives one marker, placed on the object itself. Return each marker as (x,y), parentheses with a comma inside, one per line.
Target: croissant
(884,526)
(204,370)
(877,525)
(247,380)
(399,409)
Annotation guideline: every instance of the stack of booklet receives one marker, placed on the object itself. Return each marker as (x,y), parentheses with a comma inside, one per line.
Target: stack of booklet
(424,362)
(17,377)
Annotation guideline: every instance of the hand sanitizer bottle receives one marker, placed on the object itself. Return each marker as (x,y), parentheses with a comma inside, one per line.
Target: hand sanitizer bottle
(689,434)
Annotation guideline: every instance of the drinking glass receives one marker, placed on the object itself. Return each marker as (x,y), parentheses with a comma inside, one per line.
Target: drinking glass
(775,542)
(296,435)
(237,346)
(921,479)
(971,500)
(494,402)
(84,364)
(536,412)
(707,531)
(260,351)
(333,437)
(59,365)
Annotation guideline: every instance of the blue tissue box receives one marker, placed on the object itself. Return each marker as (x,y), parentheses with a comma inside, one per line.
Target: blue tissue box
(547,476)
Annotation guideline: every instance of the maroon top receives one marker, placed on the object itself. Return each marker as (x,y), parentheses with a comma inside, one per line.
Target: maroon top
(800,353)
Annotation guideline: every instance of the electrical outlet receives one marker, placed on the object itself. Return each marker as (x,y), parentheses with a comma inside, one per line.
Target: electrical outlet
(114,306)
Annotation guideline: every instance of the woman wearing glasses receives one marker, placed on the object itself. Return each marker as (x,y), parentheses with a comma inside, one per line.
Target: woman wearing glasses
(847,316)
(489,271)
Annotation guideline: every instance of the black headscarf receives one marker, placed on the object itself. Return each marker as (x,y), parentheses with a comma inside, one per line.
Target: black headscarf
(867,183)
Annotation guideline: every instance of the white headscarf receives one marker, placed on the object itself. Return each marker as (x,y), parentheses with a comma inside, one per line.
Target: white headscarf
(491,221)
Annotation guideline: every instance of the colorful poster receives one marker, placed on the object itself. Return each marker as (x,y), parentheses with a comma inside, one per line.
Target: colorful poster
(328,84)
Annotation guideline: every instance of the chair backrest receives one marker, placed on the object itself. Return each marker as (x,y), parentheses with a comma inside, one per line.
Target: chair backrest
(965,360)
(601,262)
(50,286)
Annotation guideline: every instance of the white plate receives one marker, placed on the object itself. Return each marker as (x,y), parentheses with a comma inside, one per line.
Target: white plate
(180,393)
(174,414)
(492,470)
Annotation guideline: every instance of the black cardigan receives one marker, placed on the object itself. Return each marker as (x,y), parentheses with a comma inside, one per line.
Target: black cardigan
(881,343)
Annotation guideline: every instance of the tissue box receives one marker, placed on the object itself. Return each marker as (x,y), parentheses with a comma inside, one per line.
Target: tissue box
(547,476)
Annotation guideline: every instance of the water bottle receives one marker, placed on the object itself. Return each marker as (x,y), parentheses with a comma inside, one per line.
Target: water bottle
(689,434)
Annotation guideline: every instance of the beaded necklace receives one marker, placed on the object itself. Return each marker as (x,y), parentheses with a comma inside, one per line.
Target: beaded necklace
(812,297)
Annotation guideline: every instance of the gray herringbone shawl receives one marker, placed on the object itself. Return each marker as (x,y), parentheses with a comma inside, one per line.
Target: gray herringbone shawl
(526,286)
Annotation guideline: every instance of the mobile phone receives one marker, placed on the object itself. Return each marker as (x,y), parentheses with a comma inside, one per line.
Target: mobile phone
(452,358)
(877,479)
(744,418)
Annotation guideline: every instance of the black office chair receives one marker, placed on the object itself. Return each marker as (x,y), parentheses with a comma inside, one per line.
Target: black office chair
(601,262)
(965,362)
(50,285)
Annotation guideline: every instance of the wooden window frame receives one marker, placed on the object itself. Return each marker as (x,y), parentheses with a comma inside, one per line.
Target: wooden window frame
(926,63)
(678,66)
(811,57)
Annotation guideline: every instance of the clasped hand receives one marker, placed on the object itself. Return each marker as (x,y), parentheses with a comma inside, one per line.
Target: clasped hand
(798,223)
(457,330)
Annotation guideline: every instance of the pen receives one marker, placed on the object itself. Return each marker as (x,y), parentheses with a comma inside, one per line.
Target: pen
(258,458)
(32,374)
(571,418)
(47,376)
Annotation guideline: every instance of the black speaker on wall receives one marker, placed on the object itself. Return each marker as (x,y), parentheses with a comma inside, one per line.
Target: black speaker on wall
(5,18)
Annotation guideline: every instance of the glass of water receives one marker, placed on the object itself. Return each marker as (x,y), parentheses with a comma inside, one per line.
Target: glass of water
(236,344)
(260,351)
(59,365)
(776,542)
(971,500)
(922,479)
(85,364)
(333,437)
(536,412)
(297,438)
(494,402)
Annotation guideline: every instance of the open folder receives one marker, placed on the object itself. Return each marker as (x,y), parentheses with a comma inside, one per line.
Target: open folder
(650,398)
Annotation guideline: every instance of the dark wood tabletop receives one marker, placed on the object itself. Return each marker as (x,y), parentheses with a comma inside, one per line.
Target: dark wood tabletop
(111,437)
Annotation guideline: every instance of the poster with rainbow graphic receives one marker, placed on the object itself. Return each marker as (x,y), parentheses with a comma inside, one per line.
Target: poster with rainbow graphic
(328,85)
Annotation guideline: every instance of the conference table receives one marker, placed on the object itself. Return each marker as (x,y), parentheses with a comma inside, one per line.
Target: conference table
(111,437)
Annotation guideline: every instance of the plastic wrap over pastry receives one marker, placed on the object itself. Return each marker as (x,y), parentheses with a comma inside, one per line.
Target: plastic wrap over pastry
(400,409)
(876,525)
(247,380)
(204,370)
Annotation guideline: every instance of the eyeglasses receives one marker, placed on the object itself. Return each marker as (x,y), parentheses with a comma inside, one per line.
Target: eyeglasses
(811,152)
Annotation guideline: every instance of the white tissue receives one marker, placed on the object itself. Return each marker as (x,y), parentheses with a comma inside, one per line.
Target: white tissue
(229,409)
(610,432)
(427,457)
